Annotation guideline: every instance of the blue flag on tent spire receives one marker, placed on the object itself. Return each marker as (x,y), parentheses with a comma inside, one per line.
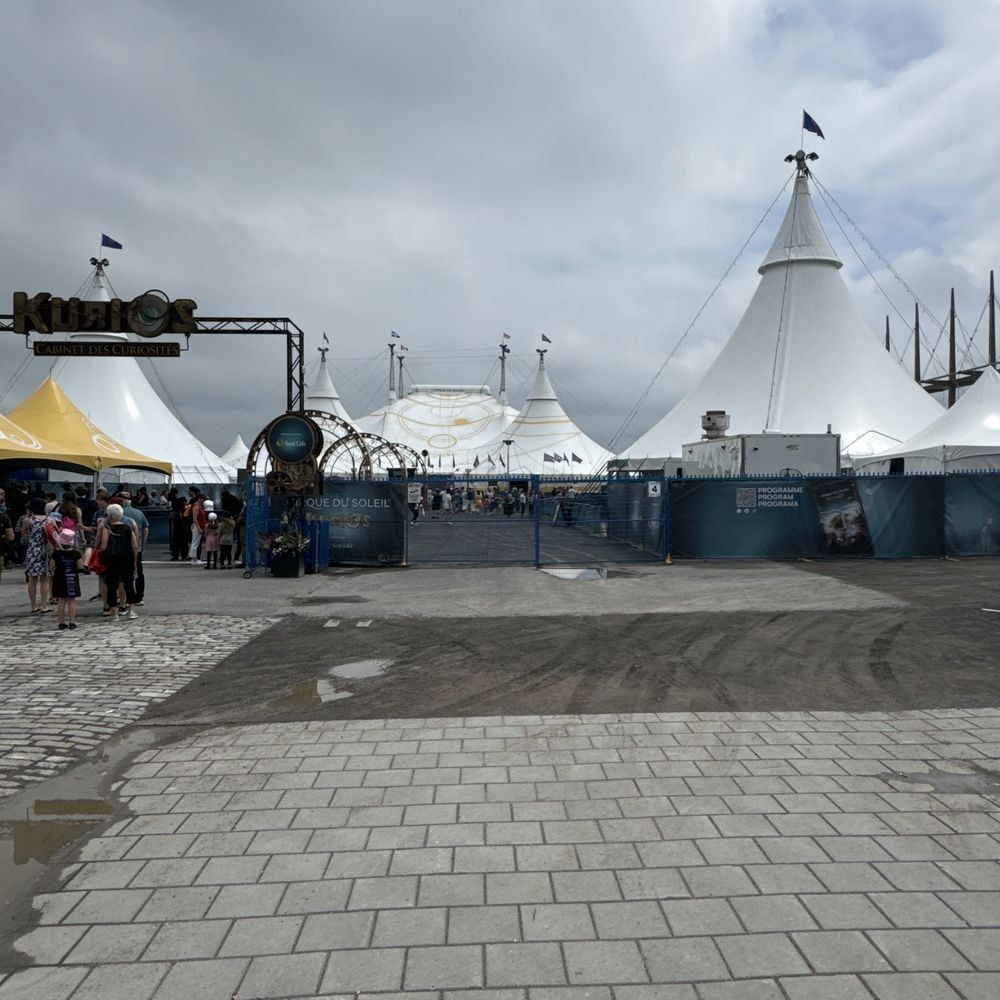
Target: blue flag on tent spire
(809,124)
(107,241)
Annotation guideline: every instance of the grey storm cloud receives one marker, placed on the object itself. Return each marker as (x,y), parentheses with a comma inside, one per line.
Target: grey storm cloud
(451,170)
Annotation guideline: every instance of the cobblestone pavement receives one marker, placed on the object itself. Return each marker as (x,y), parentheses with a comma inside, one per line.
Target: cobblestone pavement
(722,856)
(64,693)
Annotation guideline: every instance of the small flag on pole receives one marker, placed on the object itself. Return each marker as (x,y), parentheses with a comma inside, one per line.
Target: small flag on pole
(506,336)
(545,340)
(546,457)
(392,333)
(107,241)
(326,339)
(809,124)
(504,464)
(475,464)
(576,458)
(403,347)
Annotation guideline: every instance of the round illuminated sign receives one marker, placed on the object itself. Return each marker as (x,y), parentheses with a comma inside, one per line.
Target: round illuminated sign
(149,313)
(292,438)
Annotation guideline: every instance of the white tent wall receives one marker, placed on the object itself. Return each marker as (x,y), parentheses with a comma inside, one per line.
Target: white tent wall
(800,359)
(965,438)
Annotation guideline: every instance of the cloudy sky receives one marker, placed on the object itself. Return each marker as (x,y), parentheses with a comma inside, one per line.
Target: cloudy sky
(451,169)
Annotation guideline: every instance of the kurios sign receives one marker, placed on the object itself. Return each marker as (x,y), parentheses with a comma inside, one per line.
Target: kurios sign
(148,315)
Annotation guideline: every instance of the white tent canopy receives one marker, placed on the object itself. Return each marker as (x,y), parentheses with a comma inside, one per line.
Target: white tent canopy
(544,439)
(237,453)
(965,438)
(446,421)
(115,394)
(322,394)
(800,359)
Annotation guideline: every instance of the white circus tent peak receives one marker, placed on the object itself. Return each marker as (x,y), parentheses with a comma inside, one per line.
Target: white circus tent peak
(543,437)
(237,453)
(965,438)
(322,394)
(116,395)
(801,358)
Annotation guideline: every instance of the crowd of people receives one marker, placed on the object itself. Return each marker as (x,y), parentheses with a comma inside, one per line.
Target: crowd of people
(60,538)
(466,500)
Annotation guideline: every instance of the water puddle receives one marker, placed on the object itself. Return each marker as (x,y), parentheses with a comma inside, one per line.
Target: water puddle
(315,691)
(41,824)
(576,573)
(973,779)
(361,668)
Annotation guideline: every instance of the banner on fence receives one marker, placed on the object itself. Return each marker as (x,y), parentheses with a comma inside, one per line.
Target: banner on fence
(887,517)
(366,520)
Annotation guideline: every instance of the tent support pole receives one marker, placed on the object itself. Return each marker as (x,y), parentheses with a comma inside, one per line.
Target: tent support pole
(951,352)
(993,325)
(916,341)
(888,342)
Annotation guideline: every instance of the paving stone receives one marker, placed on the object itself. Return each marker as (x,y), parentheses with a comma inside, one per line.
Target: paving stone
(403,928)
(378,893)
(772,913)
(718,880)
(745,989)
(186,939)
(524,965)
(42,983)
(112,943)
(105,906)
(557,922)
(261,936)
(691,959)
(452,890)
(518,887)
(916,909)
(840,951)
(629,920)
(448,967)
(483,924)
(693,917)
(976,985)
(122,981)
(48,945)
(573,887)
(758,955)
(826,988)
(605,962)
(911,986)
(980,947)
(215,978)
(283,975)
(837,911)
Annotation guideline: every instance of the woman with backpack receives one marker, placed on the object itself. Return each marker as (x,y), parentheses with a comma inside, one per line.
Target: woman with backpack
(119,547)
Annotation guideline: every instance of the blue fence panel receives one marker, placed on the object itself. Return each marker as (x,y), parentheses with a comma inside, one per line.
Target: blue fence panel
(972,515)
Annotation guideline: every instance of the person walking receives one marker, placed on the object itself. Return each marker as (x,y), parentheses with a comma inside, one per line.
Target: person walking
(212,541)
(197,506)
(142,536)
(36,557)
(66,565)
(119,546)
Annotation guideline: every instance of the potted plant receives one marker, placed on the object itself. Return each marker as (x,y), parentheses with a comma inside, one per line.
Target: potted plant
(288,550)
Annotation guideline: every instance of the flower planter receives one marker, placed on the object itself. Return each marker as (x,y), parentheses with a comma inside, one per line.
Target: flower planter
(288,563)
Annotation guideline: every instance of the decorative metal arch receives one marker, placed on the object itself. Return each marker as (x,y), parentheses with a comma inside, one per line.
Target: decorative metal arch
(400,456)
(333,427)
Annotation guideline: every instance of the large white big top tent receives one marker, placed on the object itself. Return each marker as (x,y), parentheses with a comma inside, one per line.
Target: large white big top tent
(965,438)
(801,358)
(116,395)
(447,422)
(544,439)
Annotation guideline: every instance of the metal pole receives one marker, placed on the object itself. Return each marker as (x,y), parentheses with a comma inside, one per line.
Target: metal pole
(536,492)
(300,340)
(916,341)
(666,521)
(888,342)
(951,352)
(291,376)
(993,325)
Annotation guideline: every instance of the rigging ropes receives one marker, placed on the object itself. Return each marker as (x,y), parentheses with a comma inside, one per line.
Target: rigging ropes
(631,415)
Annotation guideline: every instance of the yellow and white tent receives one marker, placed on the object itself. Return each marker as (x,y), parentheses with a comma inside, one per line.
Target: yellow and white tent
(48,426)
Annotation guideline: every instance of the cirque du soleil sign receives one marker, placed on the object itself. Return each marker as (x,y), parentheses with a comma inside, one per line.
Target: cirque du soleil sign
(147,315)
